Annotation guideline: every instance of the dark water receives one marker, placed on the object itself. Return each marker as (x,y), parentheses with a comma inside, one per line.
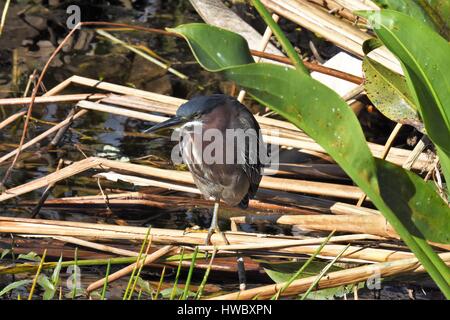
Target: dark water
(29,39)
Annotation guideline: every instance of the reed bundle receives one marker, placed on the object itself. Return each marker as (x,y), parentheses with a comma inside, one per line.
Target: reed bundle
(279,244)
(332,279)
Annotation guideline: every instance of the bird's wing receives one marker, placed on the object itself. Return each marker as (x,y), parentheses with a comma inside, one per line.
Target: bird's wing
(250,153)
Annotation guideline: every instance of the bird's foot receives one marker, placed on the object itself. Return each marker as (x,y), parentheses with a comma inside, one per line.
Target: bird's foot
(194,229)
(214,227)
(211,231)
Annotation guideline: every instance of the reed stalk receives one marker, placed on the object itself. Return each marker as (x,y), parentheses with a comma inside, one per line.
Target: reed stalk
(161,279)
(189,276)
(136,264)
(292,54)
(108,268)
(36,276)
(199,293)
(175,283)
(303,267)
(142,54)
(322,273)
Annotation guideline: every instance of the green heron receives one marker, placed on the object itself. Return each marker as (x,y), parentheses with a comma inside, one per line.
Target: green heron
(232,172)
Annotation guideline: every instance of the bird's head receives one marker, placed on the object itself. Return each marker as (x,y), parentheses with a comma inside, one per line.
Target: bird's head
(195,109)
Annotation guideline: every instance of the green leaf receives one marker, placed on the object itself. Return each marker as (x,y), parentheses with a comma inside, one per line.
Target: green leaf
(95,295)
(425,58)
(45,282)
(204,42)
(282,39)
(427,72)
(336,292)
(4,253)
(48,287)
(31,256)
(390,94)
(144,285)
(408,7)
(321,113)
(415,200)
(56,271)
(167,293)
(284,271)
(371,44)
(75,293)
(187,256)
(15,285)
(439,12)
(326,118)
(444,160)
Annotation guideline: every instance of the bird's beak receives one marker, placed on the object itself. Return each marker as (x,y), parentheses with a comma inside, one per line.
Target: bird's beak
(170,123)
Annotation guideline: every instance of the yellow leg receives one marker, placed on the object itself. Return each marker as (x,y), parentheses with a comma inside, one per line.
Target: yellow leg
(214,225)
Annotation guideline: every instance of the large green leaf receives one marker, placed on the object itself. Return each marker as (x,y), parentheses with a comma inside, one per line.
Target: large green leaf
(444,160)
(336,292)
(413,200)
(439,12)
(409,7)
(425,59)
(326,118)
(390,94)
(233,48)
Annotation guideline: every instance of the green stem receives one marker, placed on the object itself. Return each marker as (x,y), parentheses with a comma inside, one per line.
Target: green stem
(287,46)
(105,285)
(136,278)
(142,54)
(175,283)
(30,267)
(323,272)
(303,267)
(33,286)
(199,293)
(444,160)
(4,13)
(75,275)
(432,263)
(136,264)
(443,269)
(189,277)
(158,289)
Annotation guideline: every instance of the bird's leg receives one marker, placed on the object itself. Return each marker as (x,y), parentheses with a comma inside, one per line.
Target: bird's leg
(214,225)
